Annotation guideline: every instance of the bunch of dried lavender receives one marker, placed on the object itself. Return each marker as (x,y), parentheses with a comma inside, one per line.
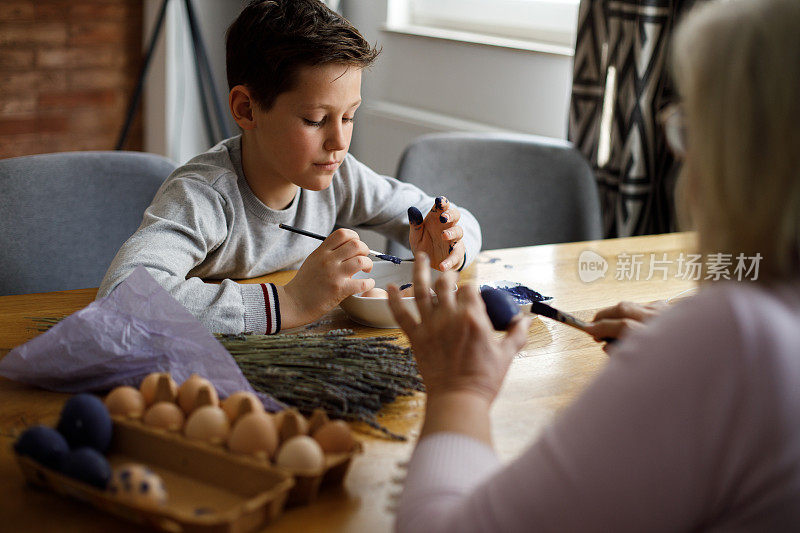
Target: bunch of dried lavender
(349,377)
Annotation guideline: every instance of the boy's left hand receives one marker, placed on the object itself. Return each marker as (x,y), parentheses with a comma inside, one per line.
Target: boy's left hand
(438,235)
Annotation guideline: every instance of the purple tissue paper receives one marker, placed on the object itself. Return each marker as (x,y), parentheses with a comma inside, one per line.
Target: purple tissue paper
(117,340)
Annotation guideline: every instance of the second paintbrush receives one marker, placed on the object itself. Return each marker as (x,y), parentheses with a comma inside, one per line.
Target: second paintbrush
(565,318)
(379,255)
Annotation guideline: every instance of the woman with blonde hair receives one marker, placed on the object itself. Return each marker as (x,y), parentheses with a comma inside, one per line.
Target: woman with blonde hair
(695,421)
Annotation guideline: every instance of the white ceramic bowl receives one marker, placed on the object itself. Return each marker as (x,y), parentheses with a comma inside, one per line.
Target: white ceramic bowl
(375,312)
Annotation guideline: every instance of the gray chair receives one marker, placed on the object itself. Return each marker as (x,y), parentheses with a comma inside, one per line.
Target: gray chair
(523,189)
(65,215)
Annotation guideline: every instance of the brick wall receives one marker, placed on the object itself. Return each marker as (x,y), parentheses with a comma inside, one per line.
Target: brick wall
(67,70)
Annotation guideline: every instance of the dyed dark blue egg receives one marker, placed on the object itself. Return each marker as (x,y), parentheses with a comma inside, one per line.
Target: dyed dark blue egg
(85,422)
(44,445)
(87,465)
(500,306)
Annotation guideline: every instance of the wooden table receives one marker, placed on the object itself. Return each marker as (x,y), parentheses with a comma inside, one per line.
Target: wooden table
(555,365)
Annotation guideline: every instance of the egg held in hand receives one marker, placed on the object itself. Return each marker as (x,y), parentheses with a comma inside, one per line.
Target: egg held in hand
(500,306)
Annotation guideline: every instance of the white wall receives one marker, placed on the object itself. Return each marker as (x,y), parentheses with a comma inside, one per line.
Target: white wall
(418,85)
(174,126)
(423,84)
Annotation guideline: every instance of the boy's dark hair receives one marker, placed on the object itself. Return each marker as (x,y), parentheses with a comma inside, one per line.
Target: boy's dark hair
(271,39)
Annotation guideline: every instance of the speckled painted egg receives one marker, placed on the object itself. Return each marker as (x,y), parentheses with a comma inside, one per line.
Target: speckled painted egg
(44,445)
(500,306)
(208,423)
(87,465)
(165,415)
(85,421)
(125,401)
(139,485)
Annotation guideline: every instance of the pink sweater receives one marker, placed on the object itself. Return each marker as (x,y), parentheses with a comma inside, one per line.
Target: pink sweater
(693,424)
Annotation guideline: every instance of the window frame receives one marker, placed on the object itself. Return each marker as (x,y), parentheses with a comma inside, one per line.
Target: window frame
(551,23)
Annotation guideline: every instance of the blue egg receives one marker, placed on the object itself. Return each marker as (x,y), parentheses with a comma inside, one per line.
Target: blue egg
(500,306)
(87,465)
(44,445)
(85,422)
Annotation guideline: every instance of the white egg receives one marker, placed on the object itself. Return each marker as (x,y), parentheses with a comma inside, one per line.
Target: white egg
(375,293)
(301,454)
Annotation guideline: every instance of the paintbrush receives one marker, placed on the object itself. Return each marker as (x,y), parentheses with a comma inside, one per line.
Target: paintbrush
(379,255)
(551,312)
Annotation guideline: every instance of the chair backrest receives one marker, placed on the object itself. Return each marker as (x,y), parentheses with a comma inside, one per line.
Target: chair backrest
(63,216)
(523,189)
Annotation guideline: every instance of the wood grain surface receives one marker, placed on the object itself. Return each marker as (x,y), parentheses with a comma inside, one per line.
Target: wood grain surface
(553,368)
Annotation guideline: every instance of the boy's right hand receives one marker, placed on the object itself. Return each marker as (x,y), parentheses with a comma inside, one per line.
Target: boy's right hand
(325,279)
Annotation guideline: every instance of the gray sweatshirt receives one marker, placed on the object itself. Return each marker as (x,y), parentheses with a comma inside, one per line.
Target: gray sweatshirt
(205,223)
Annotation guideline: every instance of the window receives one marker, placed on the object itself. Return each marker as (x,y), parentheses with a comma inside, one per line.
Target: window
(551,22)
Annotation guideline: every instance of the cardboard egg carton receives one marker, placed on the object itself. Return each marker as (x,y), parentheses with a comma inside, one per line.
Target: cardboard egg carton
(306,484)
(208,490)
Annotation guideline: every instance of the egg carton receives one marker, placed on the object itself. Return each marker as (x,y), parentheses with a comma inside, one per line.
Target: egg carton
(209,490)
(307,484)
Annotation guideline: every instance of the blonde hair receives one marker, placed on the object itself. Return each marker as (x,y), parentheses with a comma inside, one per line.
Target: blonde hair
(737,67)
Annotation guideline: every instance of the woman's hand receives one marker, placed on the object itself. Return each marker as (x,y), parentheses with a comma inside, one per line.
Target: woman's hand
(325,279)
(438,235)
(460,357)
(615,322)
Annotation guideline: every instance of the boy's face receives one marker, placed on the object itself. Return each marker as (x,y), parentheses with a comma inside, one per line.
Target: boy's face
(305,135)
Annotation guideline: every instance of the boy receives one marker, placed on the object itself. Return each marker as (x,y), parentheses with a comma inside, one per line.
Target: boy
(294,73)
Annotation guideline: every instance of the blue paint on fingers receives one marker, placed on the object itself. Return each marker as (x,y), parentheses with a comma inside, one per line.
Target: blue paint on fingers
(414,216)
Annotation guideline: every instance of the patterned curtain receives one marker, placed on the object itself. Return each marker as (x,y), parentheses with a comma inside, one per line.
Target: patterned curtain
(620,82)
